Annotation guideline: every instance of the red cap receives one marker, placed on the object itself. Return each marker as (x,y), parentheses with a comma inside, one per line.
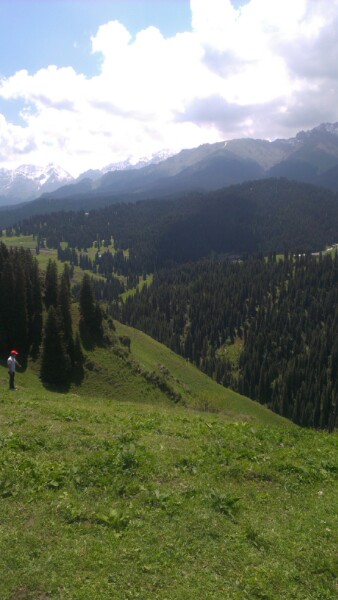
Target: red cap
(14,352)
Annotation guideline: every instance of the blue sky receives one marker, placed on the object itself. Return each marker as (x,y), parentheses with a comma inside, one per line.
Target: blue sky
(37,33)
(84,83)
(58,32)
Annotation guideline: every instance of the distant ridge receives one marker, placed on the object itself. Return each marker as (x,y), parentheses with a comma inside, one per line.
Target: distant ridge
(28,182)
(309,157)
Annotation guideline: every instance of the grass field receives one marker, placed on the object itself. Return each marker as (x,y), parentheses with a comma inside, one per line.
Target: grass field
(141,284)
(115,491)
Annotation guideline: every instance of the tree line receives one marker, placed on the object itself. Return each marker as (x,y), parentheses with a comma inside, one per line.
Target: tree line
(280,314)
(36,315)
(21,302)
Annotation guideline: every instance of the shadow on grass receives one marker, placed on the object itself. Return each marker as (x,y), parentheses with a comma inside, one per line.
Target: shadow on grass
(77,374)
(75,377)
(60,389)
(89,338)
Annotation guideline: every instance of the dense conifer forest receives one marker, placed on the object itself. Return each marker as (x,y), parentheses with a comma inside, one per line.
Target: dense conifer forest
(273,215)
(280,314)
(266,327)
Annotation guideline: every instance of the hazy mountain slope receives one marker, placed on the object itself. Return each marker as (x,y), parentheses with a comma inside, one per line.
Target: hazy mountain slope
(47,205)
(264,153)
(207,167)
(27,182)
(307,157)
(311,157)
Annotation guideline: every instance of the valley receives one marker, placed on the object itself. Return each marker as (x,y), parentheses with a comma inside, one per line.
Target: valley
(168,300)
(176,411)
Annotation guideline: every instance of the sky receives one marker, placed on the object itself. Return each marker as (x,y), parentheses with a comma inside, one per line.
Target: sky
(87,83)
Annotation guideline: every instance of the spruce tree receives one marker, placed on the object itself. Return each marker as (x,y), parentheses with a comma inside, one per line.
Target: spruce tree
(55,362)
(19,332)
(51,284)
(64,301)
(78,371)
(36,316)
(78,354)
(7,313)
(90,312)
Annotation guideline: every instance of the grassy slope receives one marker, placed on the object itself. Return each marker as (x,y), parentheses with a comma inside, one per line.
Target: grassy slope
(114,491)
(197,390)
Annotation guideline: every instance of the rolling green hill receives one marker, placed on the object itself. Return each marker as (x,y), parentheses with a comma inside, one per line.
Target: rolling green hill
(195,389)
(149,481)
(153,374)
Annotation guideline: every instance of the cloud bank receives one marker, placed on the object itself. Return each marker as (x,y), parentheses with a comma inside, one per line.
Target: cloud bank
(266,69)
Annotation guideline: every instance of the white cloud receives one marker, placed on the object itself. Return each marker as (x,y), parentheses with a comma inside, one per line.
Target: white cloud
(13,136)
(265,69)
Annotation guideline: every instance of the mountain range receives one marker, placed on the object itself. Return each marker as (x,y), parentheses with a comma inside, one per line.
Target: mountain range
(28,182)
(311,157)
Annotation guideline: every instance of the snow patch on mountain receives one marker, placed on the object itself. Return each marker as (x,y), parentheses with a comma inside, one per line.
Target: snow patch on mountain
(138,163)
(27,182)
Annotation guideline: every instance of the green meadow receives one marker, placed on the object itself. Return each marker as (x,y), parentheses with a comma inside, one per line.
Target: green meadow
(45,254)
(150,481)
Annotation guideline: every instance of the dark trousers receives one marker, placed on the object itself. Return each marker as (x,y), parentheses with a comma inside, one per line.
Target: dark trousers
(11,379)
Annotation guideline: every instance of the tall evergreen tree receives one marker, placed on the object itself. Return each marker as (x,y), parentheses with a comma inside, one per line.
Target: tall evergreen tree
(65,311)
(51,284)
(78,371)
(90,312)
(19,332)
(7,324)
(55,362)
(36,316)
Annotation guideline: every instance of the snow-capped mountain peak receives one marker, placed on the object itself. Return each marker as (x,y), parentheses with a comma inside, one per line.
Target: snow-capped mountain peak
(27,182)
(138,163)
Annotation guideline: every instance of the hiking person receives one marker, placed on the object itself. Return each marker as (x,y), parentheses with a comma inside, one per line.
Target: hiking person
(12,364)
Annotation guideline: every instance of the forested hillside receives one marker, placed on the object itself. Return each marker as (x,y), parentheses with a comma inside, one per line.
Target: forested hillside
(268,329)
(265,216)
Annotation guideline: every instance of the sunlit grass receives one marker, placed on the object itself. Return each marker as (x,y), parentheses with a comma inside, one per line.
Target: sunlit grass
(197,390)
(46,254)
(105,497)
(142,282)
(19,241)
